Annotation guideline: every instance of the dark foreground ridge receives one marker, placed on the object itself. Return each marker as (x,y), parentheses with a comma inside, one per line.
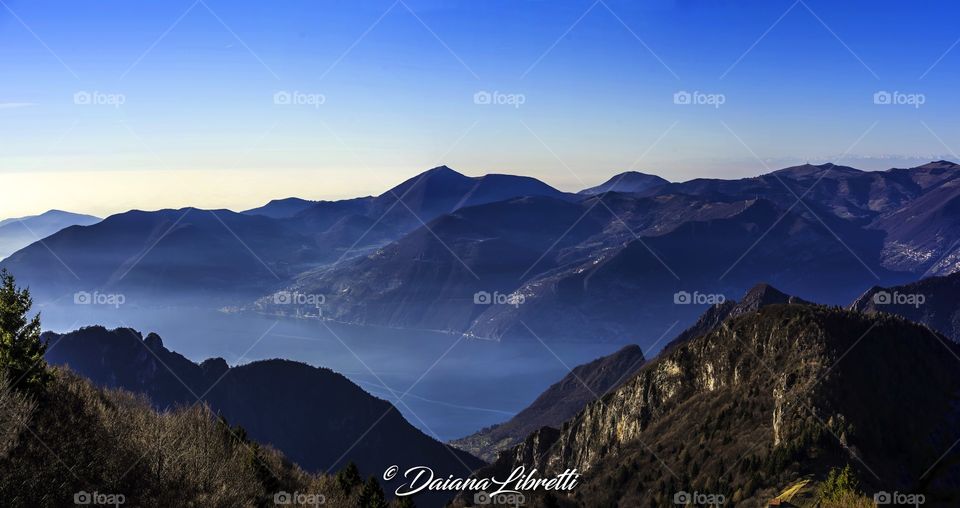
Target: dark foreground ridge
(768,400)
(317,417)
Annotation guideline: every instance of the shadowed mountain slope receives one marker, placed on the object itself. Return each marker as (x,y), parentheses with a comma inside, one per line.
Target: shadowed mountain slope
(934,301)
(762,402)
(317,417)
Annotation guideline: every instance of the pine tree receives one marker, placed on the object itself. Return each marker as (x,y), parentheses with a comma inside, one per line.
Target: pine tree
(21,349)
(348,478)
(372,495)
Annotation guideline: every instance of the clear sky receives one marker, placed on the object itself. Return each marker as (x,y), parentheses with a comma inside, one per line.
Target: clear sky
(110,105)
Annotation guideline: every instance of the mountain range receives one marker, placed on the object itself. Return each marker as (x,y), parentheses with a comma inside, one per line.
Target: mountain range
(508,258)
(762,399)
(605,264)
(892,202)
(218,255)
(17,233)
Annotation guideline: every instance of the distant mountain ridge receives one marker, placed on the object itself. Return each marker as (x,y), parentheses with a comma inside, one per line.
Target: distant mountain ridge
(227,257)
(575,286)
(620,259)
(281,208)
(631,181)
(17,233)
(166,254)
(887,201)
(586,267)
(933,301)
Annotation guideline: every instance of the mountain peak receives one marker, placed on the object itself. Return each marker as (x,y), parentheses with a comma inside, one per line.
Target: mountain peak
(442,170)
(153,341)
(764,294)
(940,164)
(281,208)
(628,181)
(215,367)
(440,176)
(806,170)
(756,298)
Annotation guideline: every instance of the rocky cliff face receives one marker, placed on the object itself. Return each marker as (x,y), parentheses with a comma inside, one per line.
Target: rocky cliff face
(723,361)
(762,400)
(590,381)
(558,403)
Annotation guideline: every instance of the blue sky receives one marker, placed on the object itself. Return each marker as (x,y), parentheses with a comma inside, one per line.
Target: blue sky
(184,112)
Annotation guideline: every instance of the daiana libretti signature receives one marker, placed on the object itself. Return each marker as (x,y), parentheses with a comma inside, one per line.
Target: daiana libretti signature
(420,478)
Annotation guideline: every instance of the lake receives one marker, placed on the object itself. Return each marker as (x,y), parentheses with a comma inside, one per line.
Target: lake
(456,386)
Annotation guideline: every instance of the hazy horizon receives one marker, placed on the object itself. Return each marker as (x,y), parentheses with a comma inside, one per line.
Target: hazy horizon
(245,194)
(229,105)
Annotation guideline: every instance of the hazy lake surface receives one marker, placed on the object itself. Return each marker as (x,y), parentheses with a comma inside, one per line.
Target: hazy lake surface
(454,386)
